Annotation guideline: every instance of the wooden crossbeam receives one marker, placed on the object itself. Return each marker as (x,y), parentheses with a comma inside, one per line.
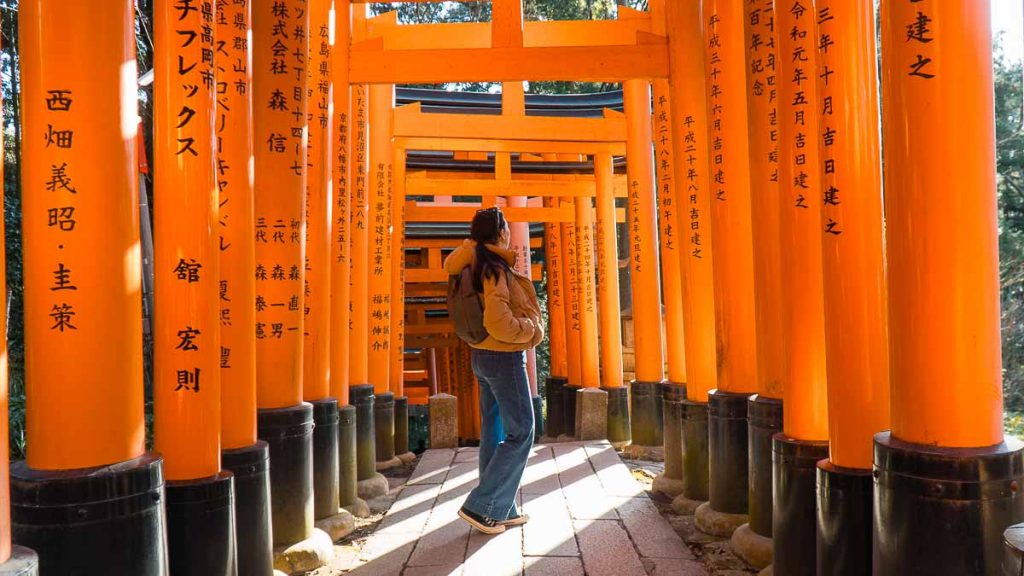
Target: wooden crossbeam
(421,275)
(472,35)
(441,243)
(532,188)
(411,122)
(416,212)
(371,63)
(507,25)
(529,146)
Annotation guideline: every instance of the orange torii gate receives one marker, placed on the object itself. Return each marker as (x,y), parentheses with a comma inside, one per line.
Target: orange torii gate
(527,135)
(933,349)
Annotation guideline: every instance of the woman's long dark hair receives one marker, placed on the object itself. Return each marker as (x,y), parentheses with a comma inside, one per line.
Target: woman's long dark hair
(486,229)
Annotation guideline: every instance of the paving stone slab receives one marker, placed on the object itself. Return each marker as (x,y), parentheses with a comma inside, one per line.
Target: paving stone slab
(553,566)
(432,468)
(613,474)
(549,531)
(651,534)
(541,475)
(433,571)
(674,567)
(499,555)
(409,513)
(383,557)
(444,539)
(607,550)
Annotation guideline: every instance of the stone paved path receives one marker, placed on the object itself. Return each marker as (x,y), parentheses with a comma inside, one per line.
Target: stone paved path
(588,516)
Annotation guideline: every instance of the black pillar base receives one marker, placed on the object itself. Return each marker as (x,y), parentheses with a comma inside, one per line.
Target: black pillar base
(347,476)
(727,452)
(384,426)
(201,526)
(419,428)
(70,517)
(251,467)
(325,458)
(794,528)
(569,409)
(402,425)
(23,562)
(289,434)
(647,421)
(619,429)
(844,520)
(942,511)
(696,470)
(672,396)
(764,419)
(538,410)
(362,398)
(556,411)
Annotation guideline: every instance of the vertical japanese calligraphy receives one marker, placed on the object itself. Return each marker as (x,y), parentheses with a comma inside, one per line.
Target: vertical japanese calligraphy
(671,243)
(643,229)
(316,284)
(83,347)
(668,225)
(187,320)
(763,127)
(941,223)
(690,144)
(586,299)
(802,306)
(237,293)
(341,95)
(360,238)
(379,221)
(856,336)
(730,186)
(556,293)
(608,274)
(279,77)
(570,283)
(397,352)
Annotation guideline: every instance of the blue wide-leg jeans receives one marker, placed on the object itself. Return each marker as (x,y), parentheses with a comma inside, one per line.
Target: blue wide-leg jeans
(506,431)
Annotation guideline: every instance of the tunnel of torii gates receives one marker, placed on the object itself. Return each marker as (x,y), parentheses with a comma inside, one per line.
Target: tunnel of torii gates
(823,387)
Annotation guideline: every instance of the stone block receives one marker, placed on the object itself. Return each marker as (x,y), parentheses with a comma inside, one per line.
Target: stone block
(338,526)
(373,487)
(753,548)
(444,426)
(591,414)
(305,556)
(716,523)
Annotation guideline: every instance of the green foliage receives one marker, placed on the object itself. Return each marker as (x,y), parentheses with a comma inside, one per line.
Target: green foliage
(1009,100)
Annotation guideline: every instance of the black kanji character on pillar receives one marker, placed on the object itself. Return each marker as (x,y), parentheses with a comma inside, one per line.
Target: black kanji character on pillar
(63,218)
(58,100)
(62,279)
(188,380)
(186,339)
(59,138)
(62,315)
(59,179)
(919,29)
(917,68)
(188,271)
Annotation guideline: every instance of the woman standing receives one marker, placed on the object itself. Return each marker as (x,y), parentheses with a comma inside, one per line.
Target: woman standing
(511,316)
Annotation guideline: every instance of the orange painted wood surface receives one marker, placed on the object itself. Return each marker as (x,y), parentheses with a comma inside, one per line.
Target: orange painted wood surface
(83,346)
(856,335)
(941,223)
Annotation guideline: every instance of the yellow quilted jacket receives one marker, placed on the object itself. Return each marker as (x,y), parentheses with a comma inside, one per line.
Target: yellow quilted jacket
(511,312)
